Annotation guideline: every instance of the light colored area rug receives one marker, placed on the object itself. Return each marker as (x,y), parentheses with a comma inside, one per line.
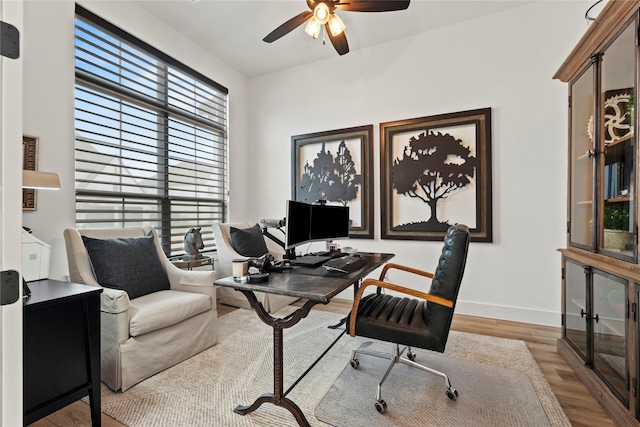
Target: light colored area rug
(204,390)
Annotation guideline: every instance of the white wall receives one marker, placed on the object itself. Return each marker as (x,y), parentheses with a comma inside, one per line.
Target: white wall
(48,114)
(504,61)
(48,103)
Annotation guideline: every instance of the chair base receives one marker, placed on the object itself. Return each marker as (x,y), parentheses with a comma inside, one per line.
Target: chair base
(396,357)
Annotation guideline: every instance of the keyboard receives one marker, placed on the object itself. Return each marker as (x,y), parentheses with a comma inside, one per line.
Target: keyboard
(346,264)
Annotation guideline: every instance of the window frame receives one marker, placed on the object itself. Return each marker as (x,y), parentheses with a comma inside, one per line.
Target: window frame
(166,113)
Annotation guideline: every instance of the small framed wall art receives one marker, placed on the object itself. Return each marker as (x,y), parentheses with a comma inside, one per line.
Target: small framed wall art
(29,162)
(336,166)
(436,172)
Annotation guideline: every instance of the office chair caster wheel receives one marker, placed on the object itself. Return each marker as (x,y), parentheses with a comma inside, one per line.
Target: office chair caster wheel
(411,356)
(381,406)
(452,393)
(354,363)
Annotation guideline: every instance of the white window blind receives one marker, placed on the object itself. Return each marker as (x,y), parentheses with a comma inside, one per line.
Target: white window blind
(151,137)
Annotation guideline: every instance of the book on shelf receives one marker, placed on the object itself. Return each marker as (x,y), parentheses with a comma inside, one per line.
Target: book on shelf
(613,177)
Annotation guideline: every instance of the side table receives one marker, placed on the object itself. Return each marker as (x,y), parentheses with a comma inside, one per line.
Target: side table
(61,348)
(189,264)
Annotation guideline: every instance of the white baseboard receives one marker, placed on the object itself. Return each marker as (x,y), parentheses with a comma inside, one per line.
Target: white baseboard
(514,314)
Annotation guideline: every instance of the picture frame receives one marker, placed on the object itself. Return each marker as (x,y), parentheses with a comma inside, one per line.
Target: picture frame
(435,172)
(29,162)
(336,166)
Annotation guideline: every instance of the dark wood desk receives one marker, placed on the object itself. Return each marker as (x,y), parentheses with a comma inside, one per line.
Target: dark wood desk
(317,286)
(61,348)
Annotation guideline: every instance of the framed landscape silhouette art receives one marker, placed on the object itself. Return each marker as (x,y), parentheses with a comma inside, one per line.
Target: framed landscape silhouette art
(336,166)
(436,172)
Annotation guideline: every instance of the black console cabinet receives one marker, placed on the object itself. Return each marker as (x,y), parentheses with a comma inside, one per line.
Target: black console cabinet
(61,345)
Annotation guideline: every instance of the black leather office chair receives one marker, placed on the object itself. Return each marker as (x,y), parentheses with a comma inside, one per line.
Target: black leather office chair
(422,321)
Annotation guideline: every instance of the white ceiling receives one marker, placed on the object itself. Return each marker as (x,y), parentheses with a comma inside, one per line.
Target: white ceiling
(232,30)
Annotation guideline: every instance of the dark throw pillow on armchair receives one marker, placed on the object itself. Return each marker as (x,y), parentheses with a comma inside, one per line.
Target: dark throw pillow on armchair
(248,242)
(128,264)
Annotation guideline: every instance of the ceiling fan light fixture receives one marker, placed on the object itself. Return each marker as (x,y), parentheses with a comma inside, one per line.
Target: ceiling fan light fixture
(336,26)
(321,13)
(313,28)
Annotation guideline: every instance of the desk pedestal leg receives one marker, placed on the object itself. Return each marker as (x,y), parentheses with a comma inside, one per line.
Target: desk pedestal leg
(277,397)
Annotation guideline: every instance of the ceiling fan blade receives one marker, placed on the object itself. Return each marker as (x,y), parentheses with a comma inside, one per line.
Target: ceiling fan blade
(339,42)
(372,5)
(288,26)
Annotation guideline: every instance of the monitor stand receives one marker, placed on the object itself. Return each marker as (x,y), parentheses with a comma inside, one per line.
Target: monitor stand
(290,254)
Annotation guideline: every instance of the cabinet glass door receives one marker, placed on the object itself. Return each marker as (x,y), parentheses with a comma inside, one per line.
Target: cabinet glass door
(581,161)
(609,331)
(575,302)
(617,137)
(636,351)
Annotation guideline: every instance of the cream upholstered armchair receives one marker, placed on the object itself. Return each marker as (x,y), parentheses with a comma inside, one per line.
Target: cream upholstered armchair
(247,241)
(153,314)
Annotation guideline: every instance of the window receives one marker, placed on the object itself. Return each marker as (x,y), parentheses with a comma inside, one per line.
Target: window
(151,137)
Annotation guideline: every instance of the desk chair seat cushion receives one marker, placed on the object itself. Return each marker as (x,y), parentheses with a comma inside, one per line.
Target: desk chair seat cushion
(248,242)
(400,320)
(127,264)
(163,309)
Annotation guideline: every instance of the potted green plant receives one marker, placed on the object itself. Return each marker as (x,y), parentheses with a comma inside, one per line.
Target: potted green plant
(616,225)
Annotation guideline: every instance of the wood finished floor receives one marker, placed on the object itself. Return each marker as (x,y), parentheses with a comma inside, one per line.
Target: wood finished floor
(581,408)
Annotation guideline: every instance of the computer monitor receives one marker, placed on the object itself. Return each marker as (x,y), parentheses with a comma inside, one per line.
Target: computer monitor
(309,223)
(329,222)
(298,223)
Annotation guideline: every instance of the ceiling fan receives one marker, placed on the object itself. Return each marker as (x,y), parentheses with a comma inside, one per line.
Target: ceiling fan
(322,13)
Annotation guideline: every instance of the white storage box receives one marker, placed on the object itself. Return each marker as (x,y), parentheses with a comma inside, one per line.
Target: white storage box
(36,256)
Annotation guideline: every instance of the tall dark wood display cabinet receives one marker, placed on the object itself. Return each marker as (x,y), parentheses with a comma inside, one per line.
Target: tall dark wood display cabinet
(600,270)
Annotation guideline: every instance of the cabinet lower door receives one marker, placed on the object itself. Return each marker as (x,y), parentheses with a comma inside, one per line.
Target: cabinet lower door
(609,332)
(575,301)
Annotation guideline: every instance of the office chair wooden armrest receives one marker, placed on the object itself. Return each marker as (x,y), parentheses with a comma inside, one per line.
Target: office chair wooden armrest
(391,265)
(391,286)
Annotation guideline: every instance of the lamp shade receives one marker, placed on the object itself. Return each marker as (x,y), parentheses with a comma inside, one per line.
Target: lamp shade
(321,13)
(336,26)
(313,28)
(40,180)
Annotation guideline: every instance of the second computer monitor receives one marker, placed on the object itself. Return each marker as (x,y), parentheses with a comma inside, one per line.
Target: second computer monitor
(309,223)
(329,222)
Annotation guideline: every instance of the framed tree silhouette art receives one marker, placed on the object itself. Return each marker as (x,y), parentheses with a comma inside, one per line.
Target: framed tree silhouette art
(336,166)
(436,172)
